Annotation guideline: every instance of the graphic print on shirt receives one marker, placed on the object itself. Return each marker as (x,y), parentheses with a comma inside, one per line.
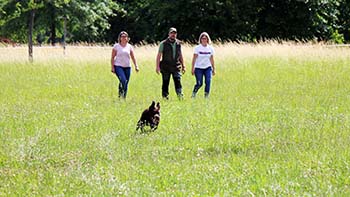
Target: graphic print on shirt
(204,54)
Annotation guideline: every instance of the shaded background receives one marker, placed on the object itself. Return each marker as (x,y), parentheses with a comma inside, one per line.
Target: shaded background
(147,21)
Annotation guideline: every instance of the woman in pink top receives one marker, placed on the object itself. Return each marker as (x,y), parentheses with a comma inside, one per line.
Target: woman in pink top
(120,62)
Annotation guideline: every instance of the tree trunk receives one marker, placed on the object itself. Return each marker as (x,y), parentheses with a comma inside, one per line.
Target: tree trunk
(30,35)
(53,33)
(53,25)
(64,34)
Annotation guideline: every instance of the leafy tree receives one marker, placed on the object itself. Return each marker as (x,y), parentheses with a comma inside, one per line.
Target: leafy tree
(10,12)
(149,20)
(325,16)
(298,19)
(344,19)
(86,20)
(135,17)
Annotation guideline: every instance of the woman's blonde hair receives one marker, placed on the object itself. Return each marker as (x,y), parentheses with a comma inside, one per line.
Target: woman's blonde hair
(206,35)
(122,33)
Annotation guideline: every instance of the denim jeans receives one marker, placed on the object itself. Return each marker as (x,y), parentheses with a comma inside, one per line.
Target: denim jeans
(123,74)
(199,73)
(166,80)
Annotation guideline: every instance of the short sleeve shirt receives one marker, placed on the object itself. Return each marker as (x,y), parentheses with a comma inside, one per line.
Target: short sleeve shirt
(204,53)
(123,55)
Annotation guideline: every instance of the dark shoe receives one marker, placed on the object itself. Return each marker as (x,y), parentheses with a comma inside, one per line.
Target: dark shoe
(180,96)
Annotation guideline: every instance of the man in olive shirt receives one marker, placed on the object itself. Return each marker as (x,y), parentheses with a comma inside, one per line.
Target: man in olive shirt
(170,62)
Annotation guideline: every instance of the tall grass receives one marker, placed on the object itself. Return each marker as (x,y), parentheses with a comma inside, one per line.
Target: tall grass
(276,123)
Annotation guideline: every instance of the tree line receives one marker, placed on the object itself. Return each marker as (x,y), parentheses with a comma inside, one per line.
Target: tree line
(147,21)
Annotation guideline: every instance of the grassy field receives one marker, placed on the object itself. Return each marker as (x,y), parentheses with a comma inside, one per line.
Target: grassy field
(277,123)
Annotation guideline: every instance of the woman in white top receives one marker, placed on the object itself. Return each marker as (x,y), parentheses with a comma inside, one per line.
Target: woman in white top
(120,62)
(203,64)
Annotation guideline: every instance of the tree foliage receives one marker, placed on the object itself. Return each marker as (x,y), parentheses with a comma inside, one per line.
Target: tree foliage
(149,20)
(344,19)
(86,20)
(248,20)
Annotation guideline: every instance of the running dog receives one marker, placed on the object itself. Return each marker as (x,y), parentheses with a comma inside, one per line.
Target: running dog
(150,117)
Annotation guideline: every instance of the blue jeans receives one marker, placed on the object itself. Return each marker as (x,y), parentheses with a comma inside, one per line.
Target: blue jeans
(123,75)
(199,73)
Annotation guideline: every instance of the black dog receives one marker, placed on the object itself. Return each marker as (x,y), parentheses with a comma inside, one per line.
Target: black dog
(150,117)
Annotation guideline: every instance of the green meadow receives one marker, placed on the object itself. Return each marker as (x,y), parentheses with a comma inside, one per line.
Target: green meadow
(277,123)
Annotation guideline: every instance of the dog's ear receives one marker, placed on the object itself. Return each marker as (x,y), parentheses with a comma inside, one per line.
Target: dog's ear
(152,105)
(158,108)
